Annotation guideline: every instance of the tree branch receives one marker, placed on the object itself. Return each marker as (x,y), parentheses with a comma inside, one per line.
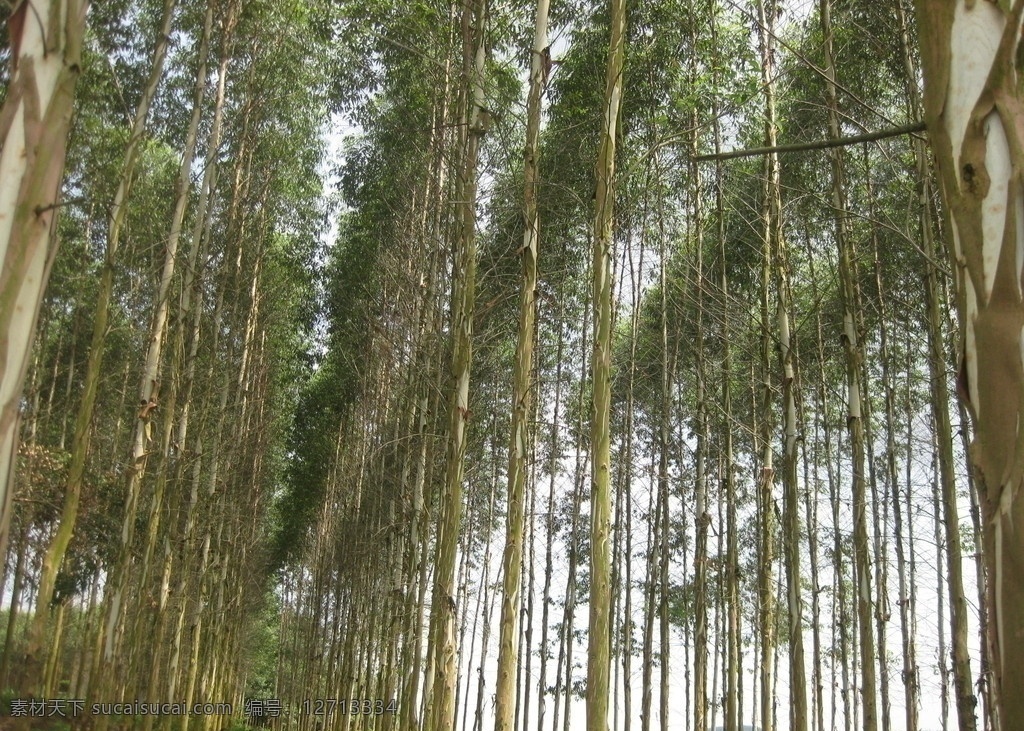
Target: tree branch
(817,145)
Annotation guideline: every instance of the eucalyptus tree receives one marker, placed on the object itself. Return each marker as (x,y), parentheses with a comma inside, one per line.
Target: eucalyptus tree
(764,417)
(856,388)
(540,62)
(963,685)
(377,386)
(476,120)
(778,265)
(45,53)
(150,378)
(343,372)
(266,233)
(598,658)
(256,246)
(972,112)
(83,420)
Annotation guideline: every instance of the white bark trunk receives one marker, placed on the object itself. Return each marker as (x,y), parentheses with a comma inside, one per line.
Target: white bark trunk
(46,39)
(974,107)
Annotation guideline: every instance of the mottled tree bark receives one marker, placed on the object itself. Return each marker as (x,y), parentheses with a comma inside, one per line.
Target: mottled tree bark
(974,108)
(46,44)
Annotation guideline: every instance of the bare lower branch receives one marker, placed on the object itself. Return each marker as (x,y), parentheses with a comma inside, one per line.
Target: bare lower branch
(817,145)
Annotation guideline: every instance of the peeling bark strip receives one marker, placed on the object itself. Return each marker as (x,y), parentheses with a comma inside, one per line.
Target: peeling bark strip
(34,125)
(974,109)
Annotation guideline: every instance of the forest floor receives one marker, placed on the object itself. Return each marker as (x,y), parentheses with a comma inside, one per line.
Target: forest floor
(34,724)
(7,723)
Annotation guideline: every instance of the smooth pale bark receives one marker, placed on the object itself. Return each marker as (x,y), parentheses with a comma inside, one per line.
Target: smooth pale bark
(811,507)
(598,654)
(486,601)
(891,481)
(45,50)
(505,697)
(791,509)
(718,647)
(791,494)
(973,108)
(660,545)
(563,684)
(624,491)
(963,685)
(530,579)
(704,517)
(180,374)
(909,649)
(664,591)
(943,669)
(668,365)
(733,619)
(563,668)
(443,612)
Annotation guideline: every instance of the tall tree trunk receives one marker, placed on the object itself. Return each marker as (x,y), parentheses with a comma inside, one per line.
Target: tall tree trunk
(563,685)
(549,523)
(728,594)
(83,418)
(530,569)
(974,115)
(662,527)
(791,494)
(150,380)
(485,601)
(776,267)
(962,684)
(14,606)
(880,521)
(443,612)
(733,638)
(940,593)
(702,516)
(598,655)
(811,507)
(505,705)
(45,51)
(654,506)
(855,391)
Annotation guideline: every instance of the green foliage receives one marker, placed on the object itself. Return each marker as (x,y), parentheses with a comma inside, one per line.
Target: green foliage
(261,649)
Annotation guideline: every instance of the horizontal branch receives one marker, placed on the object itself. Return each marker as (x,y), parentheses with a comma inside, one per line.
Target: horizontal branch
(817,145)
(40,210)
